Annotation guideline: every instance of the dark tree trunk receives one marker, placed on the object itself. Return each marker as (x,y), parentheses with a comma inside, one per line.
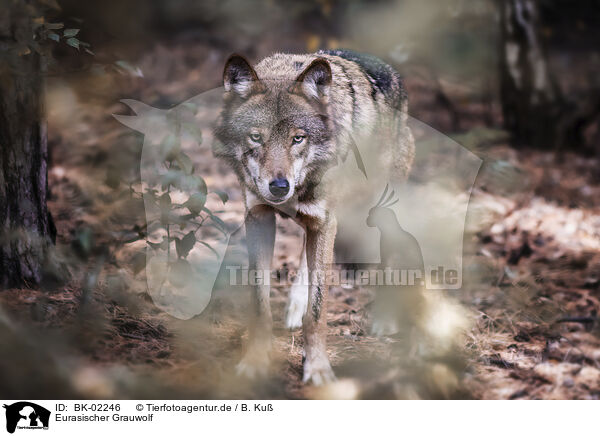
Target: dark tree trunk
(26,229)
(535,110)
(529,98)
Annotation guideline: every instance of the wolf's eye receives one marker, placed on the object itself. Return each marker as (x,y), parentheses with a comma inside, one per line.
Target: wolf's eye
(298,139)
(255,137)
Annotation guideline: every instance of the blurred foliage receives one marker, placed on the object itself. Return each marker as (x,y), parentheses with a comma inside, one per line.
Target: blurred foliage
(180,220)
(34,24)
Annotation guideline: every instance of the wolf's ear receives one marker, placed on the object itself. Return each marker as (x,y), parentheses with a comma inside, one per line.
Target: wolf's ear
(315,80)
(240,77)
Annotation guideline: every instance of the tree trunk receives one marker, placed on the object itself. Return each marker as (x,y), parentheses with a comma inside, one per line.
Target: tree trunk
(535,110)
(26,229)
(529,99)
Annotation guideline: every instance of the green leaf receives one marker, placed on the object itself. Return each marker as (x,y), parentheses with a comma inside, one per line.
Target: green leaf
(73,42)
(171,178)
(196,202)
(201,185)
(185,163)
(170,147)
(185,245)
(68,33)
(194,131)
(54,36)
(222,195)
(193,183)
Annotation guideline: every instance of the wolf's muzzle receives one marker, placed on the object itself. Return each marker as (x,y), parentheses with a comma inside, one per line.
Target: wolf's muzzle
(279,187)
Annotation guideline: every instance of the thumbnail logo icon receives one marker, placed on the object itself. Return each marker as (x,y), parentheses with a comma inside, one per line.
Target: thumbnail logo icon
(26,415)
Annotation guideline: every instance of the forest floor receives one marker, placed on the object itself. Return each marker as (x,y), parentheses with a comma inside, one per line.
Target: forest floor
(531,271)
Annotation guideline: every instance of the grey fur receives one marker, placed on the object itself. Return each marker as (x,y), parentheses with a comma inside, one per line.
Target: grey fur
(327,99)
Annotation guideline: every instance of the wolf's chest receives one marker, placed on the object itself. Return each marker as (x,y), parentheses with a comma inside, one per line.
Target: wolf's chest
(314,209)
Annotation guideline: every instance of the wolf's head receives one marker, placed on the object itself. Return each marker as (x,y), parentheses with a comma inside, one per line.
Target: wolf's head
(275,129)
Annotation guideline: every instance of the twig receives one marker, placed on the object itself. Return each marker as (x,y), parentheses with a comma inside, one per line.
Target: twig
(579,319)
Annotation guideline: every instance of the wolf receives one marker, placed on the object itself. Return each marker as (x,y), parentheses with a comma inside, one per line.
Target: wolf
(285,125)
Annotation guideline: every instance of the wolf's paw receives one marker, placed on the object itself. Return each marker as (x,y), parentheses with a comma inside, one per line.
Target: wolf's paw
(254,364)
(318,372)
(296,307)
(384,327)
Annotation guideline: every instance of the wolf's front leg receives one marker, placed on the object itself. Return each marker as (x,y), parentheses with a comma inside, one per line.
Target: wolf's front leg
(319,254)
(260,238)
(298,301)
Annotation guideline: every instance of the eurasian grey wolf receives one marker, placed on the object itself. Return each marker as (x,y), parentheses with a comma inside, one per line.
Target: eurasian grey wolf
(285,125)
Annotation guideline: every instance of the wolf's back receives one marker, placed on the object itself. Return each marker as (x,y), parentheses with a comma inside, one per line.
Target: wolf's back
(384,79)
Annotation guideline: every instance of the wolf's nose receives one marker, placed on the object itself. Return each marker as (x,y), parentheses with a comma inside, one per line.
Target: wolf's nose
(279,187)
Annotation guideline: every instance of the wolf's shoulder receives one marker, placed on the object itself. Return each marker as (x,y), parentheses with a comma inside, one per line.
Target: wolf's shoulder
(383,77)
(382,73)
